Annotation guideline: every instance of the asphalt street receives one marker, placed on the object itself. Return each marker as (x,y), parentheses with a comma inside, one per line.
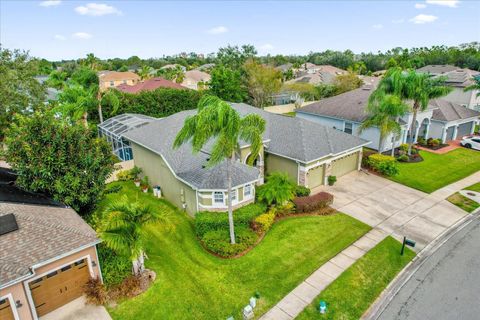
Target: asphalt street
(446,286)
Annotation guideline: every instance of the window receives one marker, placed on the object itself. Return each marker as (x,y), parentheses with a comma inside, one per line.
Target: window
(348,127)
(218,197)
(476,140)
(52,274)
(112,83)
(247,190)
(124,81)
(66,268)
(234,195)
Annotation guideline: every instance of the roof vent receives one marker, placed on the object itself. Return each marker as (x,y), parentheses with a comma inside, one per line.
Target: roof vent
(8,224)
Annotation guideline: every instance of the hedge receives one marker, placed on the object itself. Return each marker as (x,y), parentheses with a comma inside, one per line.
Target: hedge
(384,164)
(264,221)
(115,268)
(312,203)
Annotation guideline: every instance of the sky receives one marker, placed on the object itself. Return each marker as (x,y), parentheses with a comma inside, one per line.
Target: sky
(66,29)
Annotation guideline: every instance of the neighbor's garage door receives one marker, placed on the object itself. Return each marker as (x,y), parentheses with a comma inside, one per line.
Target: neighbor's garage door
(6,312)
(344,165)
(464,129)
(315,177)
(59,287)
(450,132)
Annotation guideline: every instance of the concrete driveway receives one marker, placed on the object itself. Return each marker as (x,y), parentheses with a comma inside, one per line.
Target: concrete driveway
(78,310)
(396,209)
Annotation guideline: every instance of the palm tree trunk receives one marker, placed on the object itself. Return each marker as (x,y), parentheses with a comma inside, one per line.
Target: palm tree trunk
(413,127)
(139,264)
(100,115)
(393,145)
(84,119)
(229,199)
(380,143)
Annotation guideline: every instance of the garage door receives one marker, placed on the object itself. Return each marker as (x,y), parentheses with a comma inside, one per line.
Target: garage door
(6,312)
(59,287)
(450,132)
(315,177)
(344,165)
(464,129)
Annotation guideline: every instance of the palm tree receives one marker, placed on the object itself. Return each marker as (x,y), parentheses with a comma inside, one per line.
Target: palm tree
(474,86)
(413,86)
(75,102)
(144,72)
(124,229)
(384,112)
(218,120)
(91,61)
(107,97)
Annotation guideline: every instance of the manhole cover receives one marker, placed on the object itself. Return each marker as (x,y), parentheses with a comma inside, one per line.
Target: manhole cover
(471,194)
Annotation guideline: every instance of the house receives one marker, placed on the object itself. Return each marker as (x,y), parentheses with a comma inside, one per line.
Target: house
(111,79)
(284,67)
(195,79)
(346,112)
(47,254)
(206,67)
(315,75)
(173,66)
(458,79)
(149,85)
(306,151)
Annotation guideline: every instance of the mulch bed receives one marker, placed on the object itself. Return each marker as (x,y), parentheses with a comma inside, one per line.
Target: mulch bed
(440,146)
(414,158)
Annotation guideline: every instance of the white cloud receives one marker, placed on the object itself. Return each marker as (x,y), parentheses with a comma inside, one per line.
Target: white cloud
(218,30)
(60,37)
(397,21)
(97,9)
(266,47)
(377,26)
(420,5)
(50,3)
(446,3)
(423,18)
(82,35)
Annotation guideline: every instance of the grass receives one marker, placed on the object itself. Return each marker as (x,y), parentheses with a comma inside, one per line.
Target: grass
(192,284)
(351,294)
(290,114)
(463,202)
(438,170)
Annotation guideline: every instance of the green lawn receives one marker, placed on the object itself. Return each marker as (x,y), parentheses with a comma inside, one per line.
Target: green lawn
(192,284)
(290,114)
(438,170)
(464,202)
(351,294)
(475,187)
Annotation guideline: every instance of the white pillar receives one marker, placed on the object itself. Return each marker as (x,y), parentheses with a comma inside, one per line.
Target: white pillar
(405,135)
(444,134)
(427,129)
(455,131)
(472,130)
(416,134)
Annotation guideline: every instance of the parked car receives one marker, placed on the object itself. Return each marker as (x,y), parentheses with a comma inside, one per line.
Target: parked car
(471,142)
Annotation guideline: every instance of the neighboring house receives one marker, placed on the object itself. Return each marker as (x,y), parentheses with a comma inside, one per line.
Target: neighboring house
(195,79)
(284,67)
(47,254)
(114,128)
(316,75)
(346,112)
(149,85)
(306,151)
(173,66)
(52,93)
(111,79)
(206,67)
(285,97)
(459,79)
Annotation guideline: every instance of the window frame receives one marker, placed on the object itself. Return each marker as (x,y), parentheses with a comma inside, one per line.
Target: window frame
(215,202)
(350,129)
(249,194)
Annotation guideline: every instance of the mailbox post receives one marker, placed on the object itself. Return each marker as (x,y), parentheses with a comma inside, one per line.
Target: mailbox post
(407,242)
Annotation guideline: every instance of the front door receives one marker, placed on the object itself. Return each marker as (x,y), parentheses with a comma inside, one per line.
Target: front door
(59,287)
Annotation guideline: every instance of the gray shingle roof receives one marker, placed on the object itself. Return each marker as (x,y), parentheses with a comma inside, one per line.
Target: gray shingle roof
(448,111)
(435,69)
(294,138)
(455,76)
(44,232)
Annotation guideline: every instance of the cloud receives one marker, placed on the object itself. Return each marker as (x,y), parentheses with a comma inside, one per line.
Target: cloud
(97,9)
(420,5)
(82,35)
(423,18)
(377,26)
(266,47)
(218,30)
(50,3)
(445,3)
(60,37)
(397,21)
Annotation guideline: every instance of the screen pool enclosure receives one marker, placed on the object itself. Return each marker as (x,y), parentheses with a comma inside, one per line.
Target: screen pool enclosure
(114,128)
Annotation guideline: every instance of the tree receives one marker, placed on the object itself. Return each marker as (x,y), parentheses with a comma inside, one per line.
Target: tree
(76,101)
(85,77)
(124,229)
(91,61)
(227,84)
(347,82)
(383,113)
(262,83)
(235,57)
(67,162)
(20,92)
(278,189)
(412,86)
(217,120)
(474,86)
(57,79)
(144,72)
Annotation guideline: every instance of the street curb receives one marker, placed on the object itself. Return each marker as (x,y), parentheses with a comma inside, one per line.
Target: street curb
(381,303)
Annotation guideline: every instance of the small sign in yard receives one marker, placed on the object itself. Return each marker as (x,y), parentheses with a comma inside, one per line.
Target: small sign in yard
(407,242)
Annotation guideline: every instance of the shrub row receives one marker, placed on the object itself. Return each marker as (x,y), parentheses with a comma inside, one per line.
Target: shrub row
(264,221)
(312,203)
(210,221)
(218,241)
(386,165)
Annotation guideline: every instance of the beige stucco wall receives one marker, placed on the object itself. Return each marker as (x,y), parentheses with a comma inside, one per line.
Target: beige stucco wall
(104,85)
(274,163)
(119,167)
(18,290)
(158,173)
(245,152)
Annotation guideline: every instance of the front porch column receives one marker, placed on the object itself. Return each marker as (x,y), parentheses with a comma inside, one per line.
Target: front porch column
(302,176)
(416,134)
(444,134)
(328,172)
(472,130)
(359,162)
(405,136)
(427,129)
(455,132)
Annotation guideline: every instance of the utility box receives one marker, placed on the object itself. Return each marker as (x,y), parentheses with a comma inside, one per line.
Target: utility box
(248,313)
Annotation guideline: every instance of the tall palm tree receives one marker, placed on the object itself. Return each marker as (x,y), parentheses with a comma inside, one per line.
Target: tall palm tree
(144,72)
(124,229)
(413,86)
(475,85)
(383,113)
(91,61)
(75,102)
(217,120)
(106,97)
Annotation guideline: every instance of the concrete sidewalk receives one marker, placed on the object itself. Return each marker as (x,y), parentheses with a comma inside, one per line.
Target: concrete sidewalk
(297,300)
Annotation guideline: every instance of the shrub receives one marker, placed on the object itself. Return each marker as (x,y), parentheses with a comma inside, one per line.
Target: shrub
(210,221)
(434,142)
(129,287)
(264,221)
(218,241)
(115,268)
(124,175)
(135,172)
(421,141)
(403,158)
(312,203)
(403,147)
(285,209)
(301,191)
(331,180)
(278,189)
(95,292)
(384,164)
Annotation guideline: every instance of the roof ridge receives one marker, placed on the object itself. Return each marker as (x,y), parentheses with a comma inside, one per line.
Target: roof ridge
(455,110)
